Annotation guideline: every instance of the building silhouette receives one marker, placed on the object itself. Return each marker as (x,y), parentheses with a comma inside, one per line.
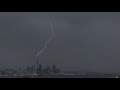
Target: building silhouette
(54,68)
(40,69)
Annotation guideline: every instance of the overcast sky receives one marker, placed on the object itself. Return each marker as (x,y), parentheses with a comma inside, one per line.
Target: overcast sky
(87,41)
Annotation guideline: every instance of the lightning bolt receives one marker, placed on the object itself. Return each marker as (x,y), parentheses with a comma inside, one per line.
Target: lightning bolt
(48,41)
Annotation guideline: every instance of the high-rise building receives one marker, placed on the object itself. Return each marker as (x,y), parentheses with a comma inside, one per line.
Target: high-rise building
(37,64)
(33,69)
(40,68)
(47,70)
(37,67)
(54,68)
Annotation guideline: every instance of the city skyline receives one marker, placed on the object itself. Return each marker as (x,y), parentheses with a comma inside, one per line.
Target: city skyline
(83,41)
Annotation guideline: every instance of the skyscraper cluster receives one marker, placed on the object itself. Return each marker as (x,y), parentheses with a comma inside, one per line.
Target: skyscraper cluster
(47,70)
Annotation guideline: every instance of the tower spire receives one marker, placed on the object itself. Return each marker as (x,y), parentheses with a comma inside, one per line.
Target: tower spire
(37,67)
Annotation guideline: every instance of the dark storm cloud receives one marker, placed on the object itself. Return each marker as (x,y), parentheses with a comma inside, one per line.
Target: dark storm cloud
(83,41)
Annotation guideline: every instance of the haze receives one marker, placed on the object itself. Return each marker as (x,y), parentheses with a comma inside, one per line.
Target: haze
(84,41)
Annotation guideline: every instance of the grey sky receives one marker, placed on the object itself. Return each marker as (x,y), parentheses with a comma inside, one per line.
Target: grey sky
(83,40)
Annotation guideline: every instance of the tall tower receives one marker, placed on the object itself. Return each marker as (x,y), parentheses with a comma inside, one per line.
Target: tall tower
(40,68)
(37,66)
(54,68)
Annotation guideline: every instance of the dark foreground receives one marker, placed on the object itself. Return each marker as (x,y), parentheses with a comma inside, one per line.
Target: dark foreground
(77,76)
(93,75)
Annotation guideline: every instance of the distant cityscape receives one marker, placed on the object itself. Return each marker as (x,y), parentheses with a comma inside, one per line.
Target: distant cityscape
(51,72)
(30,71)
